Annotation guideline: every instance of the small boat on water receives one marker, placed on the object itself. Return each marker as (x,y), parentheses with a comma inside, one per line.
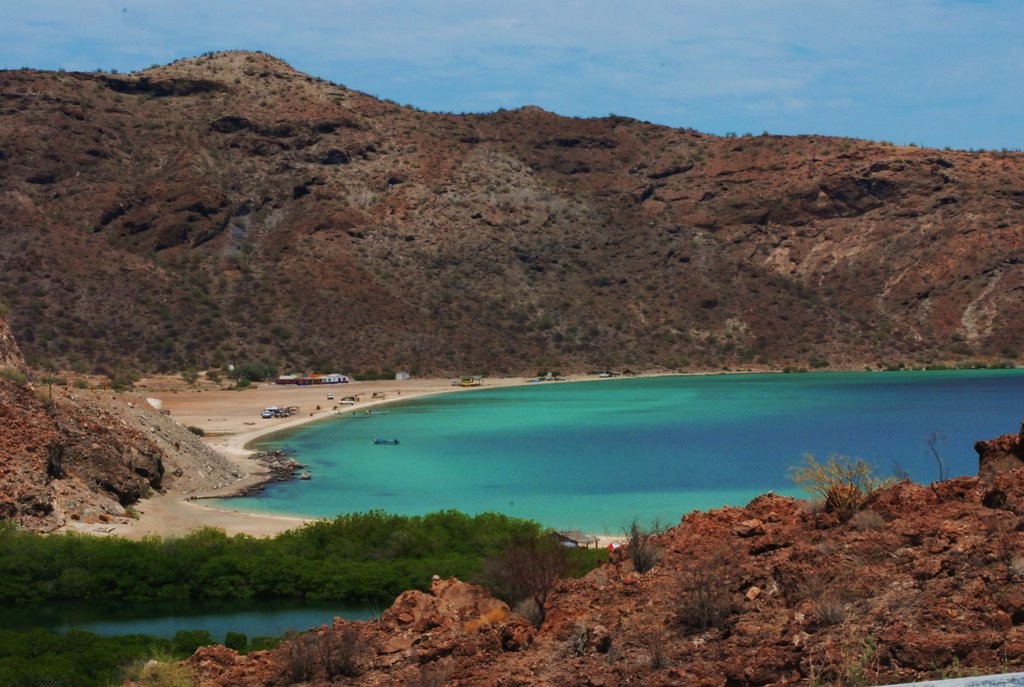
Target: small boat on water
(386,442)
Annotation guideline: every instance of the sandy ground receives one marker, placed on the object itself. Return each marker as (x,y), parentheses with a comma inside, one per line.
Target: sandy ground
(231,420)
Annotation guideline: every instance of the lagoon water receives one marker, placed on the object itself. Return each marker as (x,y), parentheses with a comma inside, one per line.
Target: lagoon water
(595,455)
(267,618)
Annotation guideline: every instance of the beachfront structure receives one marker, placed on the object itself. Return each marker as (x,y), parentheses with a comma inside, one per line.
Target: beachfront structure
(402,377)
(332,378)
(577,539)
(302,379)
(469,381)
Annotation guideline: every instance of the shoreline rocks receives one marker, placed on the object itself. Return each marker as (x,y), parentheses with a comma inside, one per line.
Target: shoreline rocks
(280,468)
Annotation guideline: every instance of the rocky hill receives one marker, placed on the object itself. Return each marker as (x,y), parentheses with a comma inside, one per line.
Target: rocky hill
(229,208)
(71,459)
(924,582)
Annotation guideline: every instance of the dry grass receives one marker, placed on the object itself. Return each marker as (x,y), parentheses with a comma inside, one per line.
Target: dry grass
(845,484)
(162,673)
(495,615)
(867,520)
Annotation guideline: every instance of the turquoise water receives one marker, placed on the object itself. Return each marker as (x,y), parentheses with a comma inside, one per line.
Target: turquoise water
(594,455)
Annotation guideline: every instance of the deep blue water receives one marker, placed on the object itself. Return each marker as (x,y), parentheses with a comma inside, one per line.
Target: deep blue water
(594,455)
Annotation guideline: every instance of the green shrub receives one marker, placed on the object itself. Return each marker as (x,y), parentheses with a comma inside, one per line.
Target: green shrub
(76,659)
(237,641)
(124,380)
(198,431)
(253,371)
(353,558)
(16,376)
(187,641)
(264,643)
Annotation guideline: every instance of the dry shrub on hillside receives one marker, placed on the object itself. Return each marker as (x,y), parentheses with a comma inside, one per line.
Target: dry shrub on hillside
(433,675)
(339,652)
(644,550)
(527,571)
(867,520)
(843,483)
(704,600)
(301,659)
(657,649)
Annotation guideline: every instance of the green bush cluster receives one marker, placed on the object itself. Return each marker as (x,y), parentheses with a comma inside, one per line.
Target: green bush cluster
(76,659)
(253,371)
(352,558)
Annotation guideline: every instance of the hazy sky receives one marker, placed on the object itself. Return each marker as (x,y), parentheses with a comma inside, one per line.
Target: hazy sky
(932,72)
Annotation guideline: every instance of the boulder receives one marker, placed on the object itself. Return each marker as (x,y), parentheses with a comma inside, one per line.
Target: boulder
(999,455)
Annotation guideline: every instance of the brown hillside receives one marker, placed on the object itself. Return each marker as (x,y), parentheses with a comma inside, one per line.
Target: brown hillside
(227,208)
(924,583)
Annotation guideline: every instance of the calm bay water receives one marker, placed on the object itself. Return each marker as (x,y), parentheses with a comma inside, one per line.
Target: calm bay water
(594,455)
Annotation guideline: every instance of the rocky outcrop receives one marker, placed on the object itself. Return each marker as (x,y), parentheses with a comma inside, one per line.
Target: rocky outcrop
(279,468)
(1001,454)
(10,354)
(924,583)
(422,636)
(65,459)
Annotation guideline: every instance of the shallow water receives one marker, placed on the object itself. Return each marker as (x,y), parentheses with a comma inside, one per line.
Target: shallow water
(594,455)
(266,618)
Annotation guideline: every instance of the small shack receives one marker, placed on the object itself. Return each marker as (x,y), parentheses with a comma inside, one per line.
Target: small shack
(577,539)
(402,377)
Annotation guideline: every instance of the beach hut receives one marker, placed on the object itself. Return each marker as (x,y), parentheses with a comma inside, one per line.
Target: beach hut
(577,539)
(402,377)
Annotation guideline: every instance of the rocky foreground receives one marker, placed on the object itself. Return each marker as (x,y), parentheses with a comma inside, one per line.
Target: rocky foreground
(925,581)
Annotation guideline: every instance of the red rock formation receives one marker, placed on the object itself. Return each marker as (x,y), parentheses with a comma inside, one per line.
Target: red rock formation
(925,581)
(1001,454)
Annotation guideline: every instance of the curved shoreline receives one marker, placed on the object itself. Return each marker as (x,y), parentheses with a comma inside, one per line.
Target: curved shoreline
(231,422)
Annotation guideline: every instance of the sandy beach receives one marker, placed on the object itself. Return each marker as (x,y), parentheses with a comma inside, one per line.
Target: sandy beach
(231,420)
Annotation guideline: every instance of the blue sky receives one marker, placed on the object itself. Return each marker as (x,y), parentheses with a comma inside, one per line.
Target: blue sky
(931,72)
